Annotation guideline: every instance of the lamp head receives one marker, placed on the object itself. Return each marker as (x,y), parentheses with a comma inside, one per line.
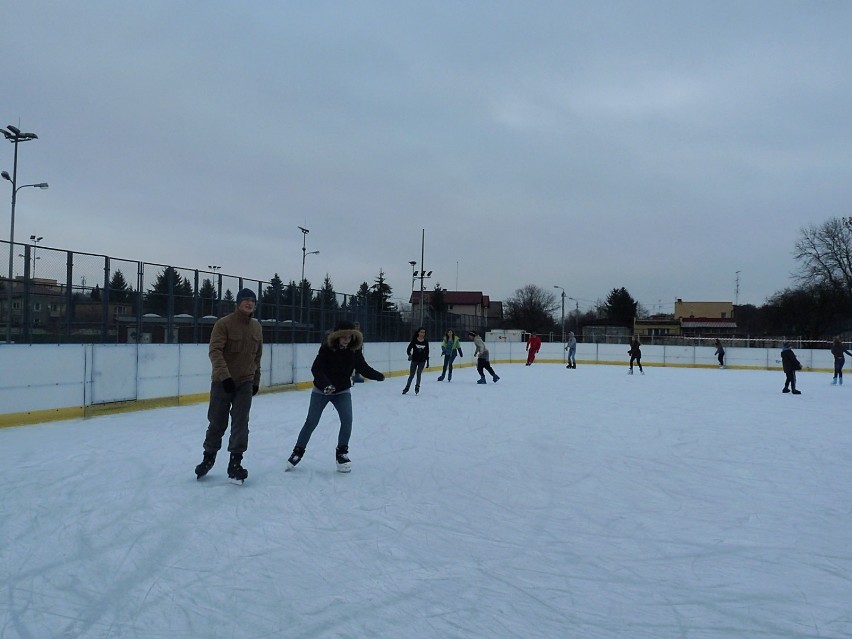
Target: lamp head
(5,175)
(42,185)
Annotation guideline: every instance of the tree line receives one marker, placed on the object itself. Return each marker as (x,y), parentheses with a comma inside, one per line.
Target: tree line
(817,304)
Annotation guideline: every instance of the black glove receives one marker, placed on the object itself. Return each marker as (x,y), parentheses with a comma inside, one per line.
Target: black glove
(254,390)
(228,385)
(460,353)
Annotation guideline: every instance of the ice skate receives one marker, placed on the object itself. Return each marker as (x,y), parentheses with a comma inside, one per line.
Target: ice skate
(441,378)
(796,392)
(785,390)
(236,473)
(496,378)
(481,380)
(834,381)
(342,457)
(417,390)
(206,464)
(295,457)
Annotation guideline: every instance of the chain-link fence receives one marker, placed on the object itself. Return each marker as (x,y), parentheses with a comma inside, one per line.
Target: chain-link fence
(60,296)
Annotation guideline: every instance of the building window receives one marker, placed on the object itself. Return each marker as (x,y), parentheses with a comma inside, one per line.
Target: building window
(37,306)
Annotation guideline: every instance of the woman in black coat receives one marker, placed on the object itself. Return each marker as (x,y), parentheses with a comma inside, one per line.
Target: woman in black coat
(418,355)
(338,356)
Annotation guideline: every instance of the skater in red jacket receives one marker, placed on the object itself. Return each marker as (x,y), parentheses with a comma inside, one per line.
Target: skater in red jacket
(533,347)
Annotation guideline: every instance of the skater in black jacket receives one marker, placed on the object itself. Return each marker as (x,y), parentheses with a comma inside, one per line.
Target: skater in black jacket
(838,351)
(791,365)
(635,353)
(418,355)
(338,356)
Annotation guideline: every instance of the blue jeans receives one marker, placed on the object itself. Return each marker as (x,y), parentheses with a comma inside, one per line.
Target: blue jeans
(448,363)
(342,401)
(415,368)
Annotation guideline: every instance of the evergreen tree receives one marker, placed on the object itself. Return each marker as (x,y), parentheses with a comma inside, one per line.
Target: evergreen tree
(361,300)
(437,300)
(95,294)
(184,296)
(119,291)
(207,295)
(620,307)
(157,299)
(326,298)
(274,294)
(380,295)
(229,304)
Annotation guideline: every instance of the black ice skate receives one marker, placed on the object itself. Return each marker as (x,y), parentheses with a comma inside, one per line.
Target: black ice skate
(206,464)
(236,472)
(343,463)
(295,457)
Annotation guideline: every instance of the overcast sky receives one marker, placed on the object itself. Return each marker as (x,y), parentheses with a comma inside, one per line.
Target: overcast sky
(659,146)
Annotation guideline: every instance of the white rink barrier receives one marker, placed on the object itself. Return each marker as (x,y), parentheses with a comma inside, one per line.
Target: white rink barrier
(44,382)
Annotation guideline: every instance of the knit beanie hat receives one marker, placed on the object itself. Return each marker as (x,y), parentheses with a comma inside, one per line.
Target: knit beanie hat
(246,294)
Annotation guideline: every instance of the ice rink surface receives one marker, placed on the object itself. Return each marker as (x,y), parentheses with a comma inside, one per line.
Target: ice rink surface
(556,503)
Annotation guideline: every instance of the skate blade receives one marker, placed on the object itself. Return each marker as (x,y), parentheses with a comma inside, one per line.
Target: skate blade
(238,482)
(289,467)
(344,468)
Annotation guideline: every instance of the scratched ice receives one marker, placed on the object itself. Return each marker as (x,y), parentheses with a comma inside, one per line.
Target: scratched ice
(556,503)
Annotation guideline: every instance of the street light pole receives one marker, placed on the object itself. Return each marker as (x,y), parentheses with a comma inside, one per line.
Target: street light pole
(14,135)
(562,322)
(305,254)
(576,313)
(423,274)
(35,240)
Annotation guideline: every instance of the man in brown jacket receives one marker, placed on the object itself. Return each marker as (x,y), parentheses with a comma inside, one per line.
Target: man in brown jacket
(236,345)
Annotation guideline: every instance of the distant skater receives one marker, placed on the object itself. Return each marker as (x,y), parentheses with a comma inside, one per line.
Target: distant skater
(533,347)
(720,354)
(635,353)
(838,351)
(418,355)
(450,347)
(482,359)
(790,364)
(571,347)
(338,356)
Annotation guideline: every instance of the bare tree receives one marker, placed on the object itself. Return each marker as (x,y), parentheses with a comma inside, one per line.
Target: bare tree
(531,308)
(825,254)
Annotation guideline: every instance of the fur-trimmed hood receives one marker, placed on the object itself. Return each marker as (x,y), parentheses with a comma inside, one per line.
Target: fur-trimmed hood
(357,338)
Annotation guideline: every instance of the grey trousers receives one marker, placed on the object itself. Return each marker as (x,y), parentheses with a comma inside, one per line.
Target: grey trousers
(223,404)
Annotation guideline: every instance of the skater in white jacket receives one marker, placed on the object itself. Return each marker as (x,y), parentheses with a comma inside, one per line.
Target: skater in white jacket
(571,347)
(482,361)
